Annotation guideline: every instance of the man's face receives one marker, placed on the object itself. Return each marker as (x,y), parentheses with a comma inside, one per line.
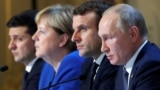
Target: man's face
(116,43)
(86,34)
(21,44)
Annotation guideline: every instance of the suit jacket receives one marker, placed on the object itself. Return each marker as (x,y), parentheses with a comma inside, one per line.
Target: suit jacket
(145,73)
(105,77)
(69,69)
(32,80)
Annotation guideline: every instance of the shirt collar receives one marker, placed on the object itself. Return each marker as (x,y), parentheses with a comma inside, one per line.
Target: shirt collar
(28,68)
(99,59)
(130,63)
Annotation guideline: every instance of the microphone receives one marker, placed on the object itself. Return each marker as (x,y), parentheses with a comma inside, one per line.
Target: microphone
(3,68)
(80,77)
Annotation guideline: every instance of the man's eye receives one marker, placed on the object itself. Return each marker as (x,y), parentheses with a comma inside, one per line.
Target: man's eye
(83,28)
(20,39)
(41,31)
(107,37)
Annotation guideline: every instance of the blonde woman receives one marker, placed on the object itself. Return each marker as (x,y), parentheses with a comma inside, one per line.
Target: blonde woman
(53,44)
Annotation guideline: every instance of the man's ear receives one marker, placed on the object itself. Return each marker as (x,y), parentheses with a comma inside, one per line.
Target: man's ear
(63,40)
(134,33)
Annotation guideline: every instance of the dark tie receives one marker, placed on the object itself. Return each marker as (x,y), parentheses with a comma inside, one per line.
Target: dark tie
(24,80)
(125,79)
(92,74)
(26,75)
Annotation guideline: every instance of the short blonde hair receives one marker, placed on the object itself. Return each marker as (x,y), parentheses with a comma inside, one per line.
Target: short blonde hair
(59,17)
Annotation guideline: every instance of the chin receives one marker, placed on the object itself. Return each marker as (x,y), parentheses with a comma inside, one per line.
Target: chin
(38,55)
(16,59)
(81,54)
(113,62)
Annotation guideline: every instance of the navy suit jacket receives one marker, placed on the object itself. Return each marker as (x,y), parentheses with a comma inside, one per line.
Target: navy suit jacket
(145,73)
(105,77)
(32,81)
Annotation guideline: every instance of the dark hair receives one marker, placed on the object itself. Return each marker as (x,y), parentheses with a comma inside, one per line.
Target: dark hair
(26,18)
(94,6)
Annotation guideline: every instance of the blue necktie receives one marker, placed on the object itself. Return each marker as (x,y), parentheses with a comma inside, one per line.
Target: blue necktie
(125,79)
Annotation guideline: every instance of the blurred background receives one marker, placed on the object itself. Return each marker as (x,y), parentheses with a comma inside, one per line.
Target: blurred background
(12,79)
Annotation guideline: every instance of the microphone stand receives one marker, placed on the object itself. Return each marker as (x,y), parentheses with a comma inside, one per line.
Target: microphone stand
(80,78)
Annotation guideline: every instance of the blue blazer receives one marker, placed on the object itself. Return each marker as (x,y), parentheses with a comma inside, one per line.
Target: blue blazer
(69,69)
(105,77)
(145,73)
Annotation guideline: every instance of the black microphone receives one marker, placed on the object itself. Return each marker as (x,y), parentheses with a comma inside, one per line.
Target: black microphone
(3,68)
(81,77)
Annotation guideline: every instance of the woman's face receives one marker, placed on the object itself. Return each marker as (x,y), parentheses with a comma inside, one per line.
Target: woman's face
(47,41)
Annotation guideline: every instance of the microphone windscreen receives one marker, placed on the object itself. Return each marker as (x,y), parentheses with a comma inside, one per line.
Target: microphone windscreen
(3,68)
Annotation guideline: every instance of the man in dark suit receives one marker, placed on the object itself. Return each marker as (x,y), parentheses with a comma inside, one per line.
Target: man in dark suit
(21,28)
(85,24)
(123,32)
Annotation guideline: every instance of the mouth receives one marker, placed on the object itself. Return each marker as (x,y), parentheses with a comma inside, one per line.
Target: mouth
(14,54)
(36,46)
(109,57)
(79,47)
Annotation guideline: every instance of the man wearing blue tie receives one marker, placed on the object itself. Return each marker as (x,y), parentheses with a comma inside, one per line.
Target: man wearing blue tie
(123,33)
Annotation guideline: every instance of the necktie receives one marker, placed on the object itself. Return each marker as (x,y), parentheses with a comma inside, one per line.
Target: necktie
(92,74)
(24,80)
(25,76)
(125,79)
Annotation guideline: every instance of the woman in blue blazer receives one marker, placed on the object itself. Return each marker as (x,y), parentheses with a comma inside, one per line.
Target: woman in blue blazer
(53,44)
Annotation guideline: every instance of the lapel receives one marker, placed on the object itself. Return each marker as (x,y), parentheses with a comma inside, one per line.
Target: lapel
(119,79)
(25,80)
(85,70)
(138,64)
(36,69)
(98,74)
